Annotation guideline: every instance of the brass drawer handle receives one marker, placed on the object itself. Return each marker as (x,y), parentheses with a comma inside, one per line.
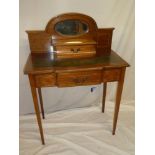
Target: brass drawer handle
(75,50)
(80,80)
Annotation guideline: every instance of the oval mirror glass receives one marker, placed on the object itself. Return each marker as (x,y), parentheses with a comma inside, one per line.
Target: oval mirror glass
(71,27)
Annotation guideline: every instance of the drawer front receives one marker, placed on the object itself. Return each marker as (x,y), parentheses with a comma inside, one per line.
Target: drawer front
(111,75)
(79,78)
(45,80)
(75,51)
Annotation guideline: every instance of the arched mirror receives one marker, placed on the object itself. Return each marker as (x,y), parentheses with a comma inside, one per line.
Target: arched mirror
(71,27)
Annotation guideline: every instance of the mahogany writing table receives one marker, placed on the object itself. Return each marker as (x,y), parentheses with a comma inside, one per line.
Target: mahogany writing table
(90,64)
(44,72)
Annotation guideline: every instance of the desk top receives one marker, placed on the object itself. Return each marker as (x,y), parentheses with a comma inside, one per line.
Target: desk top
(43,63)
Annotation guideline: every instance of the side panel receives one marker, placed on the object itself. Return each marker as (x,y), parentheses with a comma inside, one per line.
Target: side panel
(104,40)
(39,41)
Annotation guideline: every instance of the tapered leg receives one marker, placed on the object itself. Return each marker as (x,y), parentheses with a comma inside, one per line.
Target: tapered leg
(41,103)
(36,107)
(104,96)
(118,99)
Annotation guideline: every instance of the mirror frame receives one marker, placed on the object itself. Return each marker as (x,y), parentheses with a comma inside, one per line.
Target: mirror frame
(92,26)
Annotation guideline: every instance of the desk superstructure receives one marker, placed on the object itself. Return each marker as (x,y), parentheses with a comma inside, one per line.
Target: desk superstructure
(73,51)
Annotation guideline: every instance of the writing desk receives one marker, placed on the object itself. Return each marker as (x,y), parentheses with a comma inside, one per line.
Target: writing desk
(44,71)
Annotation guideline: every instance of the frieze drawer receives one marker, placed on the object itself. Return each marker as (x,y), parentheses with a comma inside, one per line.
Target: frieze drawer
(78,78)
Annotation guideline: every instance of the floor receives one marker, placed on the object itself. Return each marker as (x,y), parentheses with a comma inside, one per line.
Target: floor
(81,131)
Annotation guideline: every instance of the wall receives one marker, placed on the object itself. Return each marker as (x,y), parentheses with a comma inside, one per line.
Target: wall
(34,15)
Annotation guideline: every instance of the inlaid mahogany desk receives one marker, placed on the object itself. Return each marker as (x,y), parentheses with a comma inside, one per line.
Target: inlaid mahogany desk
(80,60)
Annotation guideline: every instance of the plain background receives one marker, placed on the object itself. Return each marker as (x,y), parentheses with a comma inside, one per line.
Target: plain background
(34,15)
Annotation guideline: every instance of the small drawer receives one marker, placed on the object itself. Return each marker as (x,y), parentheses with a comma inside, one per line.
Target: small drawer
(75,51)
(45,80)
(110,75)
(79,78)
